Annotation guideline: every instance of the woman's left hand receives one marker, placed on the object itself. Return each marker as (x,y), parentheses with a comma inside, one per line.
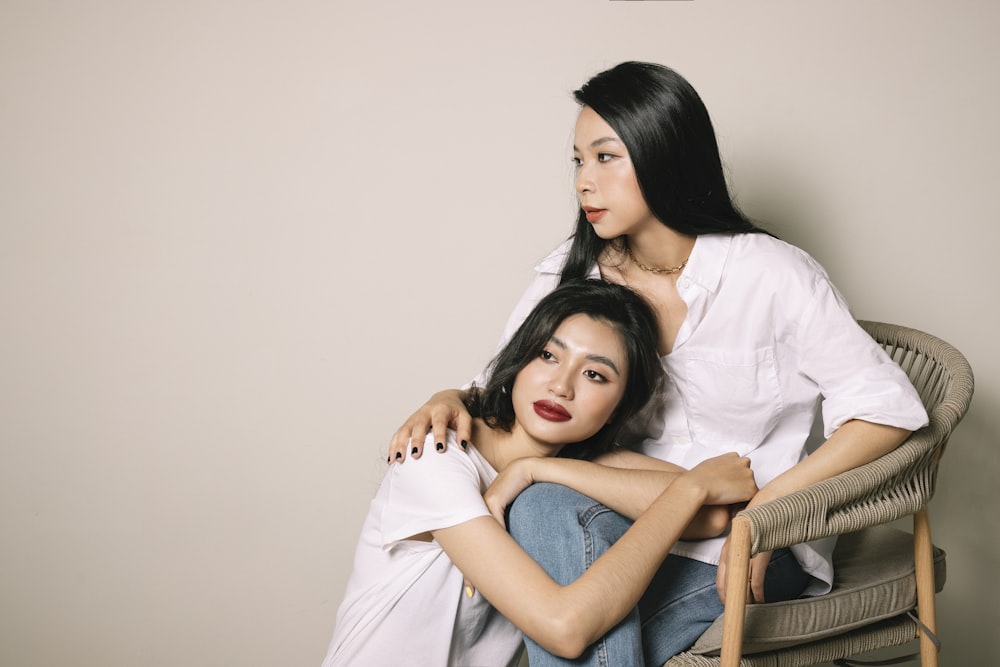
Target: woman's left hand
(509,483)
(758,570)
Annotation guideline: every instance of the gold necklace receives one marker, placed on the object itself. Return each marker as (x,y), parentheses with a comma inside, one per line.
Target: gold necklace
(654,269)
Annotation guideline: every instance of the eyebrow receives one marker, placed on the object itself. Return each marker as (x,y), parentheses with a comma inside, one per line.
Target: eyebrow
(598,142)
(596,358)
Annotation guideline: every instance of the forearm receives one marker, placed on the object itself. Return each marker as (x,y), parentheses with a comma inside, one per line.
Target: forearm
(854,444)
(628,491)
(612,586)
(567,619)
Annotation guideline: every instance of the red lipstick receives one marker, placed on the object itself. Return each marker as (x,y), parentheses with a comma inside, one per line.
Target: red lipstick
(551,411)
(594,214)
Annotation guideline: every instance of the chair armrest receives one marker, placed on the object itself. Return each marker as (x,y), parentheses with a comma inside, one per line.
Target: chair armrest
(894,485)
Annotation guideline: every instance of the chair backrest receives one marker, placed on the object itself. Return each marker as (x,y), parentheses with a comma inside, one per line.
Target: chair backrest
(943,378)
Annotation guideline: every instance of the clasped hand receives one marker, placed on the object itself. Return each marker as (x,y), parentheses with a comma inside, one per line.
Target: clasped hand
(507,485)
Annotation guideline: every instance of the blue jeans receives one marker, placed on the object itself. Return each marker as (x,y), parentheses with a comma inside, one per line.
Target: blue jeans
(566,532)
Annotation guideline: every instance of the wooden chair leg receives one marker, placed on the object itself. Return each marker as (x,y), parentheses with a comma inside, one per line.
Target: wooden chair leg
(737,585)
(923,561)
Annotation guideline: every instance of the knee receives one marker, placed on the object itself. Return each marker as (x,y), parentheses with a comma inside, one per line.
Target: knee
(545,521)
(541,504)
(546,511)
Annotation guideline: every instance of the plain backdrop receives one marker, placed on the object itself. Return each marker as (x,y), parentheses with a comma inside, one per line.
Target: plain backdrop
(240,241)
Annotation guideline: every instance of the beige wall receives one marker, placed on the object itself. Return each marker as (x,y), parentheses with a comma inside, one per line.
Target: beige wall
(240,241)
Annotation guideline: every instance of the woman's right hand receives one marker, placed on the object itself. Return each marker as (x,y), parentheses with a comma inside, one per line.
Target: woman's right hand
(444,409)
(727,478)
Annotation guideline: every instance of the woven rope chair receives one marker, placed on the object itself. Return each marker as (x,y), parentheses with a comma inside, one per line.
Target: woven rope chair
(896,485)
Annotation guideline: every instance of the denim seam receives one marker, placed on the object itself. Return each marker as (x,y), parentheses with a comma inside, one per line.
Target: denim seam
(586,518)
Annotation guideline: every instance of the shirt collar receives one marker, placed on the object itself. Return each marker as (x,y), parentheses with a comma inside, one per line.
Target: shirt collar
(708,258)
(704,267)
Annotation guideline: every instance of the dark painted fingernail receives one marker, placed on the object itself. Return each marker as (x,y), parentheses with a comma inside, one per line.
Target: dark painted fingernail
(413,451)
(388,459)
(399,455)
(439,446)
(464,444)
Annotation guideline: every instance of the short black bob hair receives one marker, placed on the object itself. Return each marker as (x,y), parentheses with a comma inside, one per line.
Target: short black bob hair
(670,140)
(627,312)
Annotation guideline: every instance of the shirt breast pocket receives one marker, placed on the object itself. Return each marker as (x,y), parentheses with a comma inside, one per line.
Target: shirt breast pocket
(732,398)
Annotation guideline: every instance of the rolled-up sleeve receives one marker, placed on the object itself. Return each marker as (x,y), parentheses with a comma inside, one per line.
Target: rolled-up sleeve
(856,377)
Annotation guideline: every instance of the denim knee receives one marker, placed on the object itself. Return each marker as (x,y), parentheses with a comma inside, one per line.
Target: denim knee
(545,504)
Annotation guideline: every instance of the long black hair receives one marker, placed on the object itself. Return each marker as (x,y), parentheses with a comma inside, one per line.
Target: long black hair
(667,131)
(627,312)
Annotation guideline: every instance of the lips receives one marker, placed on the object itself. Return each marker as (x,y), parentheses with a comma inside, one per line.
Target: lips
(551,411)
(593,214)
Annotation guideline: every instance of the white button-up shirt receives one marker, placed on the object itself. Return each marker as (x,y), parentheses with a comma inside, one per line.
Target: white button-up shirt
(768,344)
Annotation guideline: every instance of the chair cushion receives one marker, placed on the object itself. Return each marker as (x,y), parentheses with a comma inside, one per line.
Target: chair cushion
(874,579)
